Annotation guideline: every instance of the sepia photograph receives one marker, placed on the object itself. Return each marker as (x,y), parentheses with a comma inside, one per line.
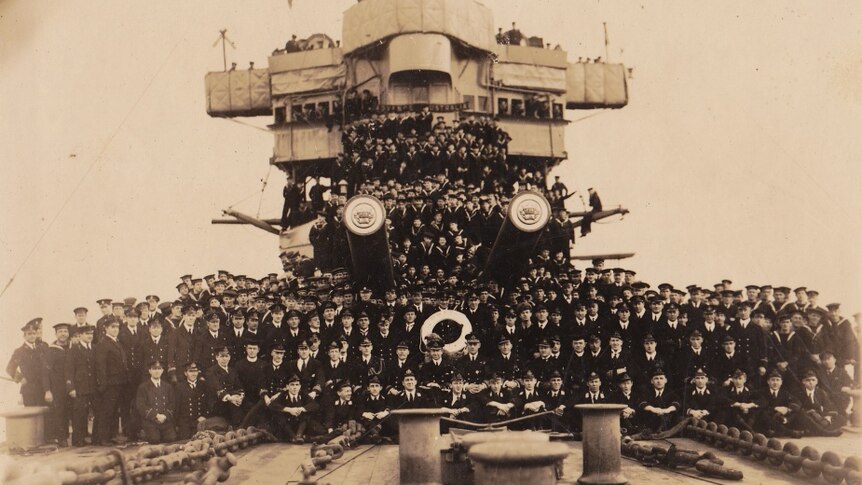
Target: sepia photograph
(430,241)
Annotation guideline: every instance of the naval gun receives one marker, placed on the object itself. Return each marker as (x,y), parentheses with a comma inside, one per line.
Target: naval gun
(364,219)
(528,214)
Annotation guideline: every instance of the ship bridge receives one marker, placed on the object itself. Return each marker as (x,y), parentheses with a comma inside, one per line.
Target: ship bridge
(403,55)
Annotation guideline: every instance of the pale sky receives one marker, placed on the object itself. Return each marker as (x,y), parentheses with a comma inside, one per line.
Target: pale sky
(738,155)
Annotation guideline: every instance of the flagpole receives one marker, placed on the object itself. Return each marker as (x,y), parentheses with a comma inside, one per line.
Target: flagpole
(605,26)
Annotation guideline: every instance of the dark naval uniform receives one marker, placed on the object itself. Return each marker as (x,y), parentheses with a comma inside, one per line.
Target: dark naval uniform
(194,401)
(153,399)
(81,380)
(112,378)
(26,364)
(57,421)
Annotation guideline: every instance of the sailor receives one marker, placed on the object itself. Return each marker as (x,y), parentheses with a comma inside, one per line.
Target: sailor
(616,360)
(275,374)
(786,348)
(335,369)
(836,382)
(250,369)
(700,400)
(779,414)
(309,371)
(402,362)
(181,342)
(80,316)
(750,338)
(224,382)
(559,401)
(692,358)
(626,394)
(213,337)
(236,335)
(660,407)
(80,374)
(107,312)
(154,347)
(291,412)
(739,406)
(156,402)
(529,401)
(374,410)
(57,420)
(194,402)
(434,375)
(498,403)
(341,409)
(649,359)
(819,416)
(728,360)
(578,365)
(505,364)
(112,380)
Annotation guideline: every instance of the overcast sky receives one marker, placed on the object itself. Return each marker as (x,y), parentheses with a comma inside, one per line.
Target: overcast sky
(738,155)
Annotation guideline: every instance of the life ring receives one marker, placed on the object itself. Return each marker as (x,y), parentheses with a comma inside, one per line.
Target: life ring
(452,347)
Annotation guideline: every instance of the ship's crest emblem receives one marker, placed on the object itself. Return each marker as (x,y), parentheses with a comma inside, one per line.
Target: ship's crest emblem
(529,212)
(364,216)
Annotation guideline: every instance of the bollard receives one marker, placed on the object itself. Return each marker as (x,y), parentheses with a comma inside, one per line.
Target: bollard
(25,427)
(856,416)
(419,445)
(602,462)
(517,462)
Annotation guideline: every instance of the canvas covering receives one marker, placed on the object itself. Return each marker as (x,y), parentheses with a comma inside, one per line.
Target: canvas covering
(324,78)
(596,85)
(531,76)
(238,93)
(372,20)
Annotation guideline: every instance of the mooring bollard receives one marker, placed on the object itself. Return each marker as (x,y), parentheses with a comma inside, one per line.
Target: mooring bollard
(601,439)
(25,427)
(517,462)
(419,445)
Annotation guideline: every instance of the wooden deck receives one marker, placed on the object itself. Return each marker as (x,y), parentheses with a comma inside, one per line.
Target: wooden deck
(279,464)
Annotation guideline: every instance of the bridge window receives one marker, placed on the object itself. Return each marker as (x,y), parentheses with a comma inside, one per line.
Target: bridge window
(469,102)
(503,106)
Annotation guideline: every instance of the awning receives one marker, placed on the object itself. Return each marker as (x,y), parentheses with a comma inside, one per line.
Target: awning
(530,76)
(325,78)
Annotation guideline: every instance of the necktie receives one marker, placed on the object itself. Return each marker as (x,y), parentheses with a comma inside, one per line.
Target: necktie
(775,394)
(193,385)
(658,394)
(157,385)
(811,396)
(410,397)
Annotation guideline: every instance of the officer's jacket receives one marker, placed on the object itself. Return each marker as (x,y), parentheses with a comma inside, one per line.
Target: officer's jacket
(151,400)
(700,400)
(112,365)
(193,403)
(80,370)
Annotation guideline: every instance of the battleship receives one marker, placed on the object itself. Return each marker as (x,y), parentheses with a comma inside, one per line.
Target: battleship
(445,62)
